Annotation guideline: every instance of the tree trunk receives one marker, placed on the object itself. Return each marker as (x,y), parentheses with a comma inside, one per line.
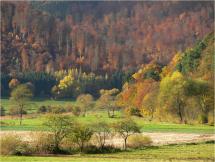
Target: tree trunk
(56,147)
(21,111)
(152,116)
(180,113)
(82,146)
(109,113)
(125,143)
(113,112)
(67,46)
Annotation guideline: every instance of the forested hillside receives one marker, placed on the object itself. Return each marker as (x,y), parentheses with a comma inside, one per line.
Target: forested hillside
(182,91)
(98,36)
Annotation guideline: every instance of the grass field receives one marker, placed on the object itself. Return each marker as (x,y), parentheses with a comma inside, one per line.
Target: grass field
(191,152)
(36,103)
(34,121)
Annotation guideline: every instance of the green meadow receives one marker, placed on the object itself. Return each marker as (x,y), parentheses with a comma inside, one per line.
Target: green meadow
(173,153)
(34,121)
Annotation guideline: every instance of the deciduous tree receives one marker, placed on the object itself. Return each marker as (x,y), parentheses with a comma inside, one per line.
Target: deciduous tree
(20,96)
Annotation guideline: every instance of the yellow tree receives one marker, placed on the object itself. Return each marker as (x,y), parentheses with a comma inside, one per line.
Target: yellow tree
(170,68)
(172,95)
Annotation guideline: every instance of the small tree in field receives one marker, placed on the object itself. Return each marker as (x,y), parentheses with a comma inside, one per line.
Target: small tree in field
(20,95)
(108,101)
(102,130)
(60,126)
(172,95)
(126,128)
(81,134)
(85,102)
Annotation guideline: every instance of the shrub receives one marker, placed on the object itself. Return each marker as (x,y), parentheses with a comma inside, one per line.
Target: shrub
(132,111)
(211,118)
(69,108)
(81,135)
(138,141)
(4,123)
(42,109)
(76,111)
(101,132)
(126,128)
(92,149)
(2,111)
(69,146)
(15,111)
(13,83)
(57,109)
(60,126)
(42,143)
(13,145)
(203,119)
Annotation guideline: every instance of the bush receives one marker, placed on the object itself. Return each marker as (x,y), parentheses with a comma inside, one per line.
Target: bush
(56,109)
(42,143)
(69,146)
(2,111)
(203,119)
(69,108)
(132,111)
(81,135)
(211,118)
(92,149)
(4,123)
(15,111)
(76,111)
(138,141)
(13,145)
(42,109)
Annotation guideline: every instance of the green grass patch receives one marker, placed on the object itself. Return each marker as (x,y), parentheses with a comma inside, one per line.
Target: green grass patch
(92,117)
(35,123)
(202,152)
(33,105)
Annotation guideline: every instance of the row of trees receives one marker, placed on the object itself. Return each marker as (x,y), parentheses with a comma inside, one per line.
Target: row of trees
(65,83)
(62,127)
(40,83)
(23,93)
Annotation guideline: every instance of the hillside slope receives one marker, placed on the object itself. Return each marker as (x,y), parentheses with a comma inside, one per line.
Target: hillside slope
(98,36)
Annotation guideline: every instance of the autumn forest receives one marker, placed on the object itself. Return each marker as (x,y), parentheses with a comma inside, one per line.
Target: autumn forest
(108,69)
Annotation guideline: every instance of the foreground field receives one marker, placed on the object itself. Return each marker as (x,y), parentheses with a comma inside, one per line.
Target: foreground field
(191,152)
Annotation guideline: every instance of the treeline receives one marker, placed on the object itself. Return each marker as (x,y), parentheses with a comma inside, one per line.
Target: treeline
(182,91)
(63,84)
(98,36)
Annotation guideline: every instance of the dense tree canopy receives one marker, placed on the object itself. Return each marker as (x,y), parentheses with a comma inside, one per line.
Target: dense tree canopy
(184,91)
(99,36)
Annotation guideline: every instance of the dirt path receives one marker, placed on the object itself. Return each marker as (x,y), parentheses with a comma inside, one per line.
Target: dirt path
(170,138)
(157,138)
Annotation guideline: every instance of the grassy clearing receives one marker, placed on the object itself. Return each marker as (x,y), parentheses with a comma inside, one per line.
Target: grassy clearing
(36,103)
(192,152)
(34,121)
(36,124)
